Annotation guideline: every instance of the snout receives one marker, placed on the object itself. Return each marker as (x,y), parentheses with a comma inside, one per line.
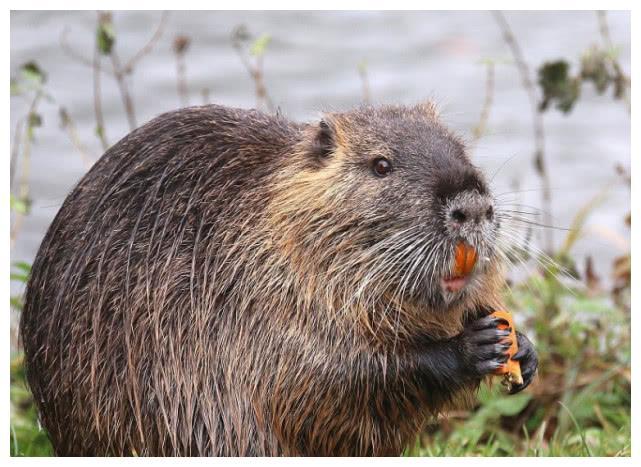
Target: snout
(469,209)
(469,219)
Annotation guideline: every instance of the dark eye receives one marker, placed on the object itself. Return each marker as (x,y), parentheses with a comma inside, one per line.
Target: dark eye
(382,167)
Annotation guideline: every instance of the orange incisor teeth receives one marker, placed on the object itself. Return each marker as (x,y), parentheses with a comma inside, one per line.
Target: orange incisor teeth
(464,259)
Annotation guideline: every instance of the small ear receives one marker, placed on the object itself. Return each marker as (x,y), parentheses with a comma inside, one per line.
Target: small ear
(323,141)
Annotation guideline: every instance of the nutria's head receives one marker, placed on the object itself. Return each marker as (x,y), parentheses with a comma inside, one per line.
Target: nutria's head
(376,204)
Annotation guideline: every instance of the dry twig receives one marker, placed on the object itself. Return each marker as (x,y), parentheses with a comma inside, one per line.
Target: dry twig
(97,100)
(15,150)
(537,123)
(480,127)
(181,44)
(23,184)
(128,68)
(149,46)
(118,71)
(239,37)
(604,30)
(67,124)
(77,56)
(125,95)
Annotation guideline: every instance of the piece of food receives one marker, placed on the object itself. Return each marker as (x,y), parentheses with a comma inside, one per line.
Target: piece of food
(464,259)
(511,369)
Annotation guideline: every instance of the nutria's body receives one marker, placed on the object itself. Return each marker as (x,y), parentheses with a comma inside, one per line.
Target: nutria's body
(223,282)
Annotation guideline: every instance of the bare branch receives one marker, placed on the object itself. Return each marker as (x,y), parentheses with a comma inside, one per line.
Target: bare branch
(537,122)
(118,71)
(77,56)
(129,66)
(15,229)
(621,77)
(255,70)
(181,44)
(15,150)
(479,129)
(261,89)
(124,90)
(69,125)
(23,184)
(149,46)
(97,101)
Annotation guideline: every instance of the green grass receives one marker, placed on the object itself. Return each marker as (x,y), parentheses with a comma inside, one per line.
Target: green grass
(26,437)
(493,430)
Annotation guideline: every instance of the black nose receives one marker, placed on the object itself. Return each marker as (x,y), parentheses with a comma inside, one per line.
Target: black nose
(470,208)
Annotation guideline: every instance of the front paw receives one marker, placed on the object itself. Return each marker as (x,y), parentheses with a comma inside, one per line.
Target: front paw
(528,360)
(483,346)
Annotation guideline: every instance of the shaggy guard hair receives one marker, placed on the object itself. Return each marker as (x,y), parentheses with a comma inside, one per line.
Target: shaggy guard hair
(225,282)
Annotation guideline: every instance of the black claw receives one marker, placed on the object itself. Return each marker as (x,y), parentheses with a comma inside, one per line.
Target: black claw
(488,336)
(487,366)
(488,322)
(521,387)
(524,352)
(516,388)
(505,345)
(528,377)
(485,348)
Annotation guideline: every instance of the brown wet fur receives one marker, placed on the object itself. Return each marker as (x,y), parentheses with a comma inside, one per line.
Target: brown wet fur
(195,296)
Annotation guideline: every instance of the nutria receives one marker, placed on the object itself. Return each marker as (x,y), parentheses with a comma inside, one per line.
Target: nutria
(226,282)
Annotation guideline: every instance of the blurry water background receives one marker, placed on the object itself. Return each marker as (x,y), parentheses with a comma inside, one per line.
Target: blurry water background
(311,65)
